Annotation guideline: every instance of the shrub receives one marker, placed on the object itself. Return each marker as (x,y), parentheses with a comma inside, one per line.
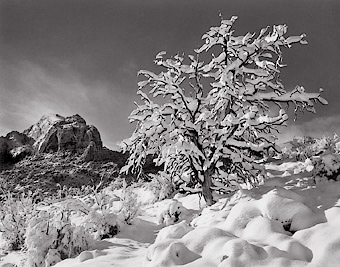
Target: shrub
(102,224)
(337,147)
(326,144)
(129,204)
(100,220)
(307,147)
(15,212)
(326,167)
(51,237)
(162,186)
(174,213)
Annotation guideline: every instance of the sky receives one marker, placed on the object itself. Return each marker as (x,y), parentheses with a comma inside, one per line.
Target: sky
(82,56)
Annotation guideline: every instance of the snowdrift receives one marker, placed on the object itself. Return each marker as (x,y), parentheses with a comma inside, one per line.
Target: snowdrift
(266,226)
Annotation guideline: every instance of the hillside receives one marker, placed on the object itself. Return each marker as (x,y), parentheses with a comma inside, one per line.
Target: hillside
(56,152)
(288,221)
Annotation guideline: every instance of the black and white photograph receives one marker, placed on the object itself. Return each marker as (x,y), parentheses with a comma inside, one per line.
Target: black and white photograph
(165,133)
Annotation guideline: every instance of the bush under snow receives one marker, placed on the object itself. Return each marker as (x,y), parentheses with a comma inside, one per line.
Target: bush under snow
(15,212)
(326,167)
(51,237)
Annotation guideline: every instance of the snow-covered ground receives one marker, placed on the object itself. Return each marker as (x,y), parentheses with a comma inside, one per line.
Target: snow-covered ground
(287,221)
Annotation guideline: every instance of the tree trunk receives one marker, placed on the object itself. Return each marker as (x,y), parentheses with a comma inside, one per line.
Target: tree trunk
(206,187)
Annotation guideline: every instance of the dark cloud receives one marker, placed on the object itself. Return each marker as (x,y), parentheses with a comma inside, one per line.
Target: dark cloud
(82,56)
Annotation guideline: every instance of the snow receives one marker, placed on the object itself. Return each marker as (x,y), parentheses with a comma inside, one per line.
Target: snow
(287,221)
(39,130)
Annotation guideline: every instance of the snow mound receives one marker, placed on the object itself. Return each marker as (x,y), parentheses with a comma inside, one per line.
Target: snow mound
(85,255)
(279,224)
(174,231)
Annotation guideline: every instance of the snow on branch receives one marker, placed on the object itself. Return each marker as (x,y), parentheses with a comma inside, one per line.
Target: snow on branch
(216,117)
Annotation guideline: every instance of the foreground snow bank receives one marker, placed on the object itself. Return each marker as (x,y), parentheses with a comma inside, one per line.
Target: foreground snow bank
(267,226)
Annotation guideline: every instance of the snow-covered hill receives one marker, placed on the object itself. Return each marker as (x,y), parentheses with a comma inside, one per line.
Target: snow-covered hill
(287,221)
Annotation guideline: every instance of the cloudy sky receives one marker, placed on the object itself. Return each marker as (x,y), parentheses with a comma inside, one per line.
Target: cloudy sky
(82,56)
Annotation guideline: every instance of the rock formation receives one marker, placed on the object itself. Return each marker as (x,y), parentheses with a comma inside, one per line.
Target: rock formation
(55,152)
(59,152)
(56,134)
(53,133)
(40,130)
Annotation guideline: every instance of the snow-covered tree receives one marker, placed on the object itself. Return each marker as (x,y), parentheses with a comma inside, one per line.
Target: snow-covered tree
(216,118)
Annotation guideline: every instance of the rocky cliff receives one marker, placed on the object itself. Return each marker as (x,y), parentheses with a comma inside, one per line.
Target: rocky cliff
(55,152)
(59,152)
(51,134)
(56,133)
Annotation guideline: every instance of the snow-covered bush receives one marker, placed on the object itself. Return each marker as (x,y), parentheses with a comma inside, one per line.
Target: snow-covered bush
(301,148)
(51,237)
(101,221)
(225,110)
(327,144)
(307,147)
(129,204)
(326,167)
(162,186)
(102,224)
(15,212)
(174,213)
(69,192)
(337,147)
